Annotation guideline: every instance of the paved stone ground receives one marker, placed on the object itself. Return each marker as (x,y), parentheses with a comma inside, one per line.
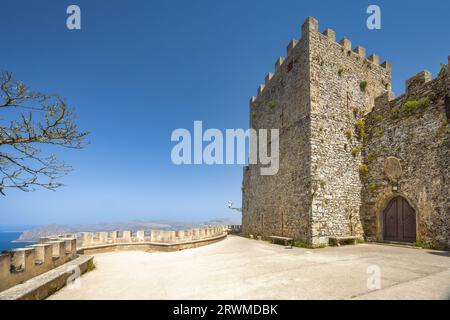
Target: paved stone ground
(239,268)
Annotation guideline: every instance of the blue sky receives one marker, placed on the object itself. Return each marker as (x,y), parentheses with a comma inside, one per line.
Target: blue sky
(140,69)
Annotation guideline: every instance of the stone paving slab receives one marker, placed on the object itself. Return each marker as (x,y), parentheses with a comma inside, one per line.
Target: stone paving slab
(239,268)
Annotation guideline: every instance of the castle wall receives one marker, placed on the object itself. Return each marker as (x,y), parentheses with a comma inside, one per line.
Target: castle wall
(281,204)
(326,99)
(344,84)
(421,143)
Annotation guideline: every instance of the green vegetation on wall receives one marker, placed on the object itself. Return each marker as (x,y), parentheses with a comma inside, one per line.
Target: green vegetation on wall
(371,156)
(443,70)
(356,151)
(360,128)
(272,104)
(410,107)
(363,86)
(348,133)
(363,169)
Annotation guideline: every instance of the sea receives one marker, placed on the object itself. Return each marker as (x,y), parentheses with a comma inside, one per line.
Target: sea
(8,235)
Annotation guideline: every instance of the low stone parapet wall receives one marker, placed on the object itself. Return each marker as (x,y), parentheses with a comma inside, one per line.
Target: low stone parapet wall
(44,285)
(150,246)
(19,265)
(96,239)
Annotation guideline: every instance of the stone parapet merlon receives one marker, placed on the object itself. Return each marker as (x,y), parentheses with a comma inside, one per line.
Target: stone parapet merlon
(21,264)
(92,239)
(416,86)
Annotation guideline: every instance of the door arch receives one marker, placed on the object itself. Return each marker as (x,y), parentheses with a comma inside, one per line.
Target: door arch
(399,221)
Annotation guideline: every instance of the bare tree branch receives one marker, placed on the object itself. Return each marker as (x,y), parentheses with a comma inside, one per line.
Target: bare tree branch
(33,119)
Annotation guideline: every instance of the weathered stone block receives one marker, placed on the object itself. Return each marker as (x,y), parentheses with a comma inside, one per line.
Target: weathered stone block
(126,236)
(331,34)
(347,44)
(140,235)
(414,83)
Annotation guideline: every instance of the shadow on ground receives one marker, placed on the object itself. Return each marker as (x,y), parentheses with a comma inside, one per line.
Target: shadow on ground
(441,253)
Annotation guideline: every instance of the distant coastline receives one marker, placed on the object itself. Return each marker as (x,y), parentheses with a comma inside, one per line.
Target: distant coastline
(8,240)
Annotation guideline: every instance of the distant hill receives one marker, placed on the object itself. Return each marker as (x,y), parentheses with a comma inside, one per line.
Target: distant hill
(53,229)
(224,221)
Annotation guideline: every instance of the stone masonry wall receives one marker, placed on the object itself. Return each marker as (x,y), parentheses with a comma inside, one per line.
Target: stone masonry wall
(281,204)
(420,142)
(19,265)
(333,107)
(344,84)
(94,239)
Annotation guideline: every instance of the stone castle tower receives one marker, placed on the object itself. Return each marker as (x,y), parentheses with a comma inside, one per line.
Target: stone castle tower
(345,156)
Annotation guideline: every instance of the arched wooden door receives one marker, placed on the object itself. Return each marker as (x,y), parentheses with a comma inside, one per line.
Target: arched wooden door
(399,221)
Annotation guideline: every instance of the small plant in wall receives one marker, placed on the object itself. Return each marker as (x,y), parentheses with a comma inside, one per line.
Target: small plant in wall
(361,129)
(395,113)
(272,104)
(348,133)
(363,86)
(340,71)
(411,106)
(443,70)
(363,170)
(356,151)
(371,156)
(379,118)
(372,187)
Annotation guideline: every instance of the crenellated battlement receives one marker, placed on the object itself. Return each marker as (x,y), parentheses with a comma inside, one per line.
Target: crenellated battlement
(421,85)
(291,46)
(95,239)
(311,25)
(19,265)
